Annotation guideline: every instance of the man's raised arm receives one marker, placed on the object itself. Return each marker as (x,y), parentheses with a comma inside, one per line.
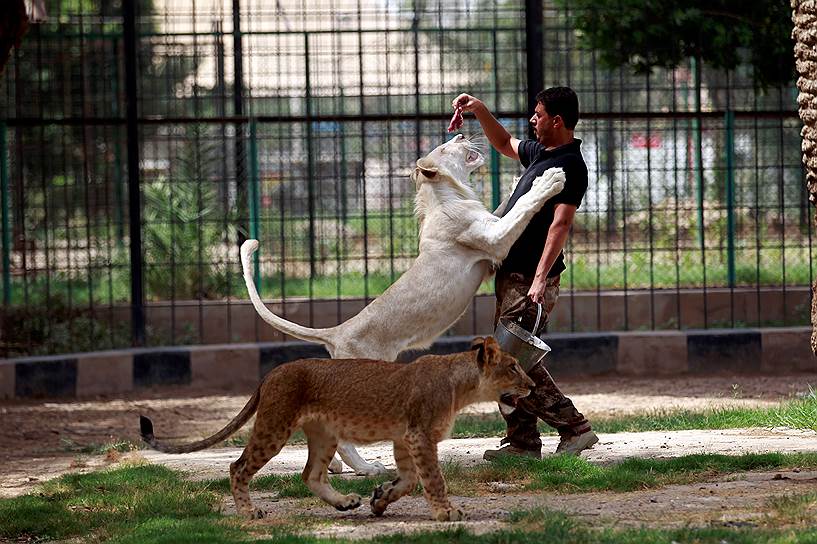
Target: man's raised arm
(499,138)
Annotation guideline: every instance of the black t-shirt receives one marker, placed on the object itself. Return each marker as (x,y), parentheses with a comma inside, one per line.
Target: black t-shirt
(526,252)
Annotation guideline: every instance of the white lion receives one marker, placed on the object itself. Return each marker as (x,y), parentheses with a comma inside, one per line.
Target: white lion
(461,244)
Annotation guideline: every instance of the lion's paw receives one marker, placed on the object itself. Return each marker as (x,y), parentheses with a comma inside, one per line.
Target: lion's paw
(349,502)
(550,183)
(374,468)
(451,514)
(335,466)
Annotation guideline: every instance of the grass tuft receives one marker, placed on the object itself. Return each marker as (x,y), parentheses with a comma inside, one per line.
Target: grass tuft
(795,414)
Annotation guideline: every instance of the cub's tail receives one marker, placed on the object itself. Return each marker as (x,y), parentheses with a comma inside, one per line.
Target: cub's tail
(321,336)
(146,427)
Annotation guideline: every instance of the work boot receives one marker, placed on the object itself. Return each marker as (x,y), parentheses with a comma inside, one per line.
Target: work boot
(510,451)
(574,445)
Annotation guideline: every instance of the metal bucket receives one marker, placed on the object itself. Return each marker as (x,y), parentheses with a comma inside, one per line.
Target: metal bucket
(527,348)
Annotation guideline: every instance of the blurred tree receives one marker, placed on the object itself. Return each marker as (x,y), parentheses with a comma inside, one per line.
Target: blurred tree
(665,33)
(72,66)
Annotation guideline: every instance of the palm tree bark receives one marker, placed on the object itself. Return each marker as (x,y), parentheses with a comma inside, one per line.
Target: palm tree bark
(13,26)
(804,15)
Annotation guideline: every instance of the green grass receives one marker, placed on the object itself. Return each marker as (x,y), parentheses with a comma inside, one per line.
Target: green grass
(796,414)
(152,504)
(587,270)
(573,474)
(112,503)
(557,473)
(793,509)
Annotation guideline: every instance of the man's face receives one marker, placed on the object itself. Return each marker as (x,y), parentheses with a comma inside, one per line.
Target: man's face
(543,124)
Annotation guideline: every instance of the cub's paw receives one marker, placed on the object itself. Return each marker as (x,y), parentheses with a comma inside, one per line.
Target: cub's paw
(380,498)
(257,513)
(374,468)
(450,514)
(349,502)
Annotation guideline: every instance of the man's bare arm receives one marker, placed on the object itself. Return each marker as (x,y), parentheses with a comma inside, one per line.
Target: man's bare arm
(563,216)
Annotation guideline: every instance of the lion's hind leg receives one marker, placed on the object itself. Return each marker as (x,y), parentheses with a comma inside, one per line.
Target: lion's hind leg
(322,446)
(406,481)
(264,444)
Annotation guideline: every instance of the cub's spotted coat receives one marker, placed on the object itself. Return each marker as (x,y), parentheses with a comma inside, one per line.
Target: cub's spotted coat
(363,401)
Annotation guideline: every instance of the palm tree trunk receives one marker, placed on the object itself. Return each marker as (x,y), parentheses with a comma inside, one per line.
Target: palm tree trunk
(805,52)
(13,25)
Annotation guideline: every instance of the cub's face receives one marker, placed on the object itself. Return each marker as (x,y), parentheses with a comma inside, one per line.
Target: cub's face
(456,158)
(501,372)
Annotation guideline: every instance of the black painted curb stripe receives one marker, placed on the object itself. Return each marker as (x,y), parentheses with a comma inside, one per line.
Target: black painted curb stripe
(44,379)
(726,350)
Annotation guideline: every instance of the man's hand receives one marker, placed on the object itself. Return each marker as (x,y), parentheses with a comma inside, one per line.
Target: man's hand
(537,290)
(466,102)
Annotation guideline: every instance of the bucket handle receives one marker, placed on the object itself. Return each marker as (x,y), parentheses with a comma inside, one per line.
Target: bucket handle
(538,318)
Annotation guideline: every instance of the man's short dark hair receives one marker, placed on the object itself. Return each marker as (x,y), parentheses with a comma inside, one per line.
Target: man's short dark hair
(561,101)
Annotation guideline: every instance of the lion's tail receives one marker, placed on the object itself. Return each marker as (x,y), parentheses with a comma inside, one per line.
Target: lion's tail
(238,421)
(321,336)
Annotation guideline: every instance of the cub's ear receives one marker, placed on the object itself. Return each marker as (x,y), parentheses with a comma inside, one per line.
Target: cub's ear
(489,353)
(477,342)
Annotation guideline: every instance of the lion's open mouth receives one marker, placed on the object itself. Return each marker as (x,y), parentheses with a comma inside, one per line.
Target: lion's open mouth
(509,400)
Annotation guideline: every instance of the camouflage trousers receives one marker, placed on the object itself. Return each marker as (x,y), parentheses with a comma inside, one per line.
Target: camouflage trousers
(546,401)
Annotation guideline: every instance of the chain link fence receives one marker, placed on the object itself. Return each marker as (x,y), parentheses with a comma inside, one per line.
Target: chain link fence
(298,124)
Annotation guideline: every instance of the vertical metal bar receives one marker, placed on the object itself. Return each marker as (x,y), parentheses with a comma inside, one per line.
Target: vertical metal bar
(238,107)
(4,212)
(363,154)
(496,197)
(676,196)
(344,167)
(310,167)
(415,23)
(533,51)
(699,176)
(134,200)
(254,199)
(650,229)
(118,176)
(781,168)
(730,197)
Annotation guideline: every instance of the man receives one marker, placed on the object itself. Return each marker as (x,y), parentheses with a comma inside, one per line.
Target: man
(530,273)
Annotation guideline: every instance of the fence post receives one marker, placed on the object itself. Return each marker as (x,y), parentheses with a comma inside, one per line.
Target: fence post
(699,175)
(534,43)
(134,197)
(238,107)
(310,166)
(254,198)
(496,197)
(495,189)
(730,196)
(4,211)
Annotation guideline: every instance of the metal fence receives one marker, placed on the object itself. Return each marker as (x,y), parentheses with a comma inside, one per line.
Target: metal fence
(140,143)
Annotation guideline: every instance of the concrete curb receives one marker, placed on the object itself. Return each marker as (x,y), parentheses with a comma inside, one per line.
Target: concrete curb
(234,366)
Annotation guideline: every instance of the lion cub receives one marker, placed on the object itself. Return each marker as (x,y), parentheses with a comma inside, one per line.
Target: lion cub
(363,401)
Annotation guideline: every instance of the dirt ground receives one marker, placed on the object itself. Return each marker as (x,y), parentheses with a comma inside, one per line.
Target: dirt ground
(41,440)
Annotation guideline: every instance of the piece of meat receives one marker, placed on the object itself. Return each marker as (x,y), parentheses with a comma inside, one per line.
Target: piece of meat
(456,120)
